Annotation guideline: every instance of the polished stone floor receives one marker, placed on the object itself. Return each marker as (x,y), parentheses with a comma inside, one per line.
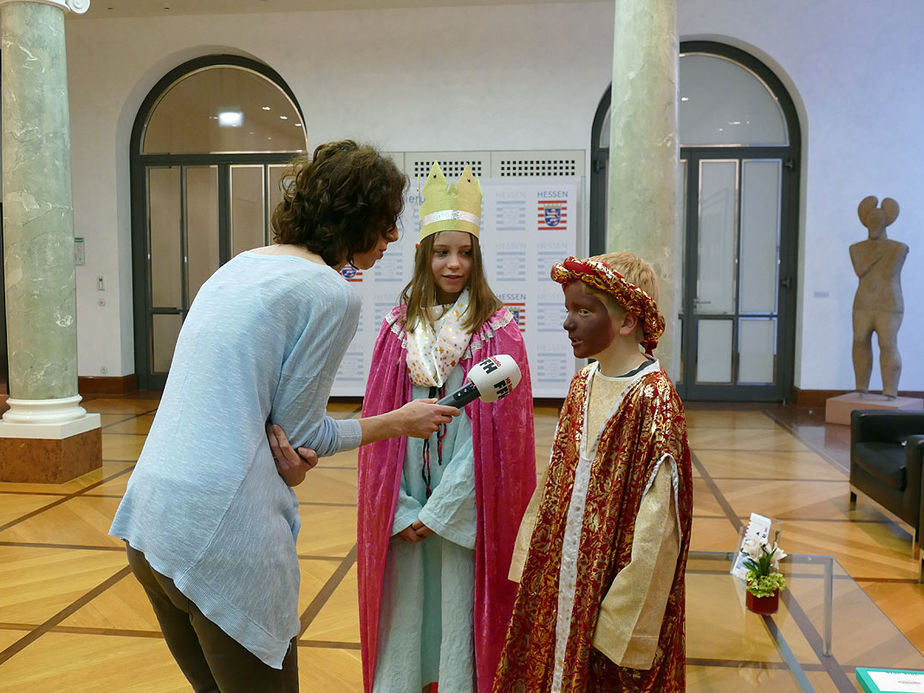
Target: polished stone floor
(72,618)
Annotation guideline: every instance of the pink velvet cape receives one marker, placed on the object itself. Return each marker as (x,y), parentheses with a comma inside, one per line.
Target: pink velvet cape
(505,476)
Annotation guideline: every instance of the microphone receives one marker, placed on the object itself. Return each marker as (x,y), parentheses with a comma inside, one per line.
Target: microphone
(491,379)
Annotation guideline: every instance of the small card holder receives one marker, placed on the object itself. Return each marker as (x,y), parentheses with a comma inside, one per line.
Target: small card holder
(759,527)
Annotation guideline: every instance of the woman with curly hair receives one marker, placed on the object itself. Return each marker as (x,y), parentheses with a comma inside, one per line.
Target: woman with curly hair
(209,519)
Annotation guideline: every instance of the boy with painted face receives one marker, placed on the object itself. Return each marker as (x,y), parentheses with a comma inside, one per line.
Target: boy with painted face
(602,549)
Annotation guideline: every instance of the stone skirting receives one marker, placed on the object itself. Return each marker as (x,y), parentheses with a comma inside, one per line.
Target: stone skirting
(107,385)
(45,461)
(97,385)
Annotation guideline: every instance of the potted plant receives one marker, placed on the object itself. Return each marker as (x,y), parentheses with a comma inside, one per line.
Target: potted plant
(764,579)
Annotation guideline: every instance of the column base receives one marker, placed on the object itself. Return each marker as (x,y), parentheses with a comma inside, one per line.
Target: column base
(54,459)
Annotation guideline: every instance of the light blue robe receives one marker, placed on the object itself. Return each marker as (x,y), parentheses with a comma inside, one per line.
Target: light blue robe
(426,622)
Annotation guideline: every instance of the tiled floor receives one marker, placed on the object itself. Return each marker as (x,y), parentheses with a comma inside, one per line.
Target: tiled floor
(72,618)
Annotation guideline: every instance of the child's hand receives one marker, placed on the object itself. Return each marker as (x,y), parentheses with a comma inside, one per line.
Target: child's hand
(421,530)
(409,535)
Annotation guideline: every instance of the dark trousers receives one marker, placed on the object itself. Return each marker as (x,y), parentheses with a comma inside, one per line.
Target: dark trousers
(211,660)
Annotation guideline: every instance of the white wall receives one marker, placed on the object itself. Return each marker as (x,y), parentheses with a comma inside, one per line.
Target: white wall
(523,77)
(518,77)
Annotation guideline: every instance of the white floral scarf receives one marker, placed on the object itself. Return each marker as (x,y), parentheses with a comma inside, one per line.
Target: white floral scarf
(434,350)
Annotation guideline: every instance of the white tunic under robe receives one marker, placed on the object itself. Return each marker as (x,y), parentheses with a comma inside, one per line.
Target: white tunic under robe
(426,621)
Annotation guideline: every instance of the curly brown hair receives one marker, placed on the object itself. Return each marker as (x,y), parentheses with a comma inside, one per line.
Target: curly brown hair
(340,201)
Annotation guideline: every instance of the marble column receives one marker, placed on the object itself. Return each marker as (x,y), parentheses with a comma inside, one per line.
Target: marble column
(45,435)
(644,155)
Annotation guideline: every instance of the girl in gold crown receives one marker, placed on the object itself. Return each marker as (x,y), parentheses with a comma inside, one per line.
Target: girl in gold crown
(438,518)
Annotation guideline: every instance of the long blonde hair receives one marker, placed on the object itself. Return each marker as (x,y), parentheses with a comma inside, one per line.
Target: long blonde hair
(420,292)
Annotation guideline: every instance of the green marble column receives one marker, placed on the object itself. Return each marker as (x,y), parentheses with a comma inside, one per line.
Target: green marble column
(643,165)
(45,436)
(38,216)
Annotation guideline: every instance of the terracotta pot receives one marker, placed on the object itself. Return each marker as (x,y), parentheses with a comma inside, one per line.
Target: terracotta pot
(763,605)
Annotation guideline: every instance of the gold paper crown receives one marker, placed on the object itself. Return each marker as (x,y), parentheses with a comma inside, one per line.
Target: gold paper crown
(450,207)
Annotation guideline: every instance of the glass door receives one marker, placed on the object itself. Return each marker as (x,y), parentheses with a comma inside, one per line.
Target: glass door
(735,277)
(184,248)
(198,217)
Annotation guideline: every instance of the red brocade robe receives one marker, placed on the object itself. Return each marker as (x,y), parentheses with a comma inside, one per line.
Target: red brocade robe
(647,425)
(505,477)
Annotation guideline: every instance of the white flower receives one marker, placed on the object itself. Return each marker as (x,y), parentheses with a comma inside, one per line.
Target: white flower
(778,555)
(752,547)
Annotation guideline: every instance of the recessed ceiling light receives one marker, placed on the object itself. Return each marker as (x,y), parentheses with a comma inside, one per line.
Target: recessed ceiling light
(283,117)
(267,108)
(230,118)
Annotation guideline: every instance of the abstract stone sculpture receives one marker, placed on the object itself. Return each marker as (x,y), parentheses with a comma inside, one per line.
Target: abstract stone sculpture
(878,306)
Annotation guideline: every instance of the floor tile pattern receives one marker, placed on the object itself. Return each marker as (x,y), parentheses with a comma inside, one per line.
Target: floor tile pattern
(72,618)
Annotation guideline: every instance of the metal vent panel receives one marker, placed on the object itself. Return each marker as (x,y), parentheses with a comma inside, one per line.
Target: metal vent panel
(417,164)
(537,164)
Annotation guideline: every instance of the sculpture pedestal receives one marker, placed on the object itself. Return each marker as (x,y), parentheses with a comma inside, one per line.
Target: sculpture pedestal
(837,409)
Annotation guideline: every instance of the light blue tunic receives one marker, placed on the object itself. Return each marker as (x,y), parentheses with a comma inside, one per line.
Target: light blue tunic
(205,504)
(426,623)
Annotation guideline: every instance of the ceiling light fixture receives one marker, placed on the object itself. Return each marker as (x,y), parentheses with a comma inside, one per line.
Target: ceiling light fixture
(230,118)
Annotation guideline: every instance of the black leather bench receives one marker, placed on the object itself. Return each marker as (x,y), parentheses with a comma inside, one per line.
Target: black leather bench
(886,452)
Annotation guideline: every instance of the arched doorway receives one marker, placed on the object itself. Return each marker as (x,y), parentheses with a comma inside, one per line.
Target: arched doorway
(209,147)
(740,144)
